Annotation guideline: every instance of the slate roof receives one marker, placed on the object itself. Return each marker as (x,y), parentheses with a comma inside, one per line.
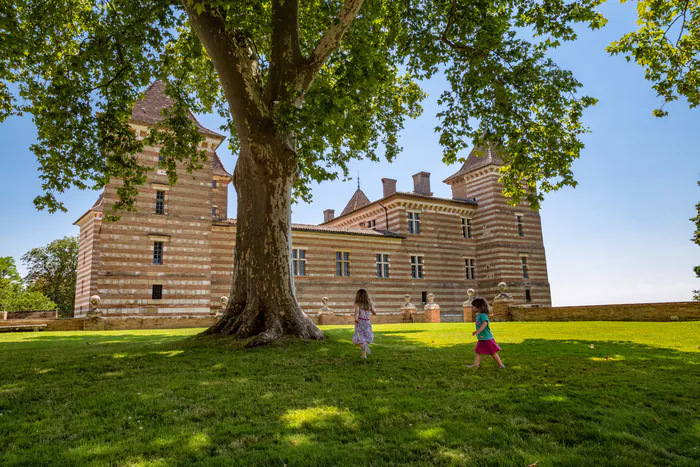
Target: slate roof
(478,159)
(148,109)
(358,200)
(331,230)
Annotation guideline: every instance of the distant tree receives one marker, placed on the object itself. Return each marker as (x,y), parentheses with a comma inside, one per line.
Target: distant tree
(28,301)
(52,271)
(13,296)
(667,46)
(696,240)
(8,273)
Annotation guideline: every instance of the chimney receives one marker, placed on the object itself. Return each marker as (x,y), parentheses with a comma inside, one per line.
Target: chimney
(389,186)
(421,183)
(328,215)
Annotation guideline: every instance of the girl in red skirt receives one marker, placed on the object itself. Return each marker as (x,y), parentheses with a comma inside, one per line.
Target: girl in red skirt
(486,345)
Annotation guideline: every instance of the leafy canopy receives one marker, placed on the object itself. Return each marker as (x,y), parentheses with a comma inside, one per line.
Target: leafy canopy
(78,66)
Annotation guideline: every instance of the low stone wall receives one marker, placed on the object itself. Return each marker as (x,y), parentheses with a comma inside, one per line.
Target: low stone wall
(670,311)
(16,315)
(338,318)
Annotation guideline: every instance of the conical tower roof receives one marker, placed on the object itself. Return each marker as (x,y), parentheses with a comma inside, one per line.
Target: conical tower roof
(148,109)
(358,200)
(478,158)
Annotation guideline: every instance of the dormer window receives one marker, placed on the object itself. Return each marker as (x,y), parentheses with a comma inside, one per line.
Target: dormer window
(213,183)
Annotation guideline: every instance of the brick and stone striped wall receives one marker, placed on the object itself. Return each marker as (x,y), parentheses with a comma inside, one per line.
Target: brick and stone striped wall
(498,243)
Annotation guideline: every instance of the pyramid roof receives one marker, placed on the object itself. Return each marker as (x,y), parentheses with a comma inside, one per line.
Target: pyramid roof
(358,200)
(149,108)
(478,158)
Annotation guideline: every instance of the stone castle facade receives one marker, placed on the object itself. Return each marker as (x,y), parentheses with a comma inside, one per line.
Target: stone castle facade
(174,255)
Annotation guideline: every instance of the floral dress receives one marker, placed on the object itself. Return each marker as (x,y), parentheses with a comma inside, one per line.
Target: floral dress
(363,329)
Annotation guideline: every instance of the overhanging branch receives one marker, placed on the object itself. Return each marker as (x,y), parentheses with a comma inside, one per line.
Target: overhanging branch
(327,45)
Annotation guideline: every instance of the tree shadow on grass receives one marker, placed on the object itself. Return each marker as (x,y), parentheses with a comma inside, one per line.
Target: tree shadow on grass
(193,401)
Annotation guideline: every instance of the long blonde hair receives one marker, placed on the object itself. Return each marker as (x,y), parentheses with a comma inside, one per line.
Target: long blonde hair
(362,300)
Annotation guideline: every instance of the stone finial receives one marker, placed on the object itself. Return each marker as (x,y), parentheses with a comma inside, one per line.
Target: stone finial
(470,297)
(431,310)
(95,301)
(470,294)
(224,300)
(93,317)
(325,308)
(408,309)
(502,287)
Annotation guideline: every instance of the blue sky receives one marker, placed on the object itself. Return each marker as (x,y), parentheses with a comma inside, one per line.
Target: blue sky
(622,236)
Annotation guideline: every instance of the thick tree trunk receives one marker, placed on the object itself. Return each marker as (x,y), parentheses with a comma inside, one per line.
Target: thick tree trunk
(262,302)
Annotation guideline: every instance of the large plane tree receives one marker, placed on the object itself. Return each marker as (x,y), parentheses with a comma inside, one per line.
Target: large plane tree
(305,86)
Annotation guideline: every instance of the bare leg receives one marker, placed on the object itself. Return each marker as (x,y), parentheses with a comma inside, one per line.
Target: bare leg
(498,360)
(477,361)
(364,354)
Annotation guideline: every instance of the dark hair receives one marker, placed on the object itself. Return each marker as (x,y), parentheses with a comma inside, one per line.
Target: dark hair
(481,304)
(362,300)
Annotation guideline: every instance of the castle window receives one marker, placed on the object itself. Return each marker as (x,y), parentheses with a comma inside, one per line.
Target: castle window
(213,211)
(157,252)
(466,228)
(424,297)
(382,265)
(413,222)
(469,268)
(417,267)
(528,296)
(519,218)
(299,262)
(160,202)
(523,260)
(161,158)
(342,264)
(372,224)
(82,286)
(157,292)
(213,183)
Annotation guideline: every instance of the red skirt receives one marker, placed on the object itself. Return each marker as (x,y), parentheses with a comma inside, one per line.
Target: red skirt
(488,347)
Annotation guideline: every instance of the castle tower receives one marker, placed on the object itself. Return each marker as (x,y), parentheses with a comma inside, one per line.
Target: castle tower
(509,243)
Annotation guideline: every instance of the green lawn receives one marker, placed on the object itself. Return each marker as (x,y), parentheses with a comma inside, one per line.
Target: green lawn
(167,398)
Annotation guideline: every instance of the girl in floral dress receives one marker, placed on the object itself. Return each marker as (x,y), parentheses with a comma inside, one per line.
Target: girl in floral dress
(363,335)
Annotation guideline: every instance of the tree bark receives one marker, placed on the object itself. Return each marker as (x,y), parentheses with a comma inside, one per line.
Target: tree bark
(262,302)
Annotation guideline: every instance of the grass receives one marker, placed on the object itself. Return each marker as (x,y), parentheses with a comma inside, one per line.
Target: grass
(156,398)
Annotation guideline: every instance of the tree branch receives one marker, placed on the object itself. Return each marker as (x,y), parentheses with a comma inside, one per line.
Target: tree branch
(451,44)
(285,53)
(236,68)
(327,45)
